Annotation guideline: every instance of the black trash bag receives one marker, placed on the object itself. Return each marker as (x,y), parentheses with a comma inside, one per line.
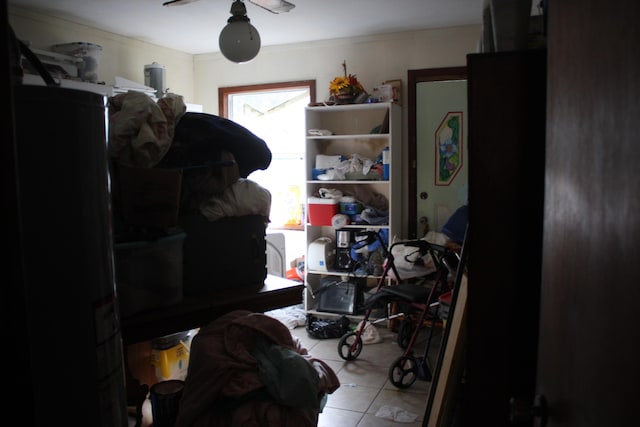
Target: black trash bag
(323,328)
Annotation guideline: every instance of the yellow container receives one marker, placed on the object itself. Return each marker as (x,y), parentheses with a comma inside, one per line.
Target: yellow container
(170,355)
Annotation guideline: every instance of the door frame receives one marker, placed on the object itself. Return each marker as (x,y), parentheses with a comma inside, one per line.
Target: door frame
(414,77)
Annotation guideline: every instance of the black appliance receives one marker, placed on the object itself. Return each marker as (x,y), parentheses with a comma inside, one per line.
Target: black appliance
(74,344)
(344,240)
(341,296)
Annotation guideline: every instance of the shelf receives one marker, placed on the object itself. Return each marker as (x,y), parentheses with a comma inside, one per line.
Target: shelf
(330,314)
(370,131)
(342,273)
(364,226)
(350,107)
(343,136)
(359,181)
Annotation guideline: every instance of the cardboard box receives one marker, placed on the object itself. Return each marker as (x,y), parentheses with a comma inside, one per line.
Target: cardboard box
(383,93)
(321,210)
(170,355)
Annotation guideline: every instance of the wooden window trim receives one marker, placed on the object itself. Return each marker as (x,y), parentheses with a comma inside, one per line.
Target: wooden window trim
(224,92)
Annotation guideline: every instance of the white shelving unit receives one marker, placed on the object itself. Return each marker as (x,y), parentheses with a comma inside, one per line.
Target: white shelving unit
(363,129)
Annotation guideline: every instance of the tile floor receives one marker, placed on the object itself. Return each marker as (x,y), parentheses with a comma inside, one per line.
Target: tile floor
(365,385)
(364,382)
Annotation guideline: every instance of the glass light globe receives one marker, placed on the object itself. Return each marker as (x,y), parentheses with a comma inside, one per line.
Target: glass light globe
(239,41)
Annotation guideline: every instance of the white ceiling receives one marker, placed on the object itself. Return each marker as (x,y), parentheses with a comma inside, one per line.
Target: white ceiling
(194,27)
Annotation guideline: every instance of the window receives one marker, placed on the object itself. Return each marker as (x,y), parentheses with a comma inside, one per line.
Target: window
(275,113)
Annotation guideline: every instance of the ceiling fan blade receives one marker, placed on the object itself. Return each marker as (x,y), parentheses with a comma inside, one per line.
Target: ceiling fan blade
(177,2)
(274,6)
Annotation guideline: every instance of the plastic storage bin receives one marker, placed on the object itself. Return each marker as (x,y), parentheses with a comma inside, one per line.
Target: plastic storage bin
(170,355)
(149,273)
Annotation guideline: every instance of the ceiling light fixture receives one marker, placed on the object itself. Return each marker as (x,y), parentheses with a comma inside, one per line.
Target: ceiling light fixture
(239,40)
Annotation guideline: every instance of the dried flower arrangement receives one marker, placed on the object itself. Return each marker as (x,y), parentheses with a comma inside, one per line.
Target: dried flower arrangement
(345,88)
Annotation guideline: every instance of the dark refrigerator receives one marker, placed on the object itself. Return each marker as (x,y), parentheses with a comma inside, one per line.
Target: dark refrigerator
(63,286)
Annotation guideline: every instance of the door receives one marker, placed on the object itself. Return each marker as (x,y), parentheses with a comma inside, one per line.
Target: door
(437,147)
(589,347)
(506,189)
(441,132)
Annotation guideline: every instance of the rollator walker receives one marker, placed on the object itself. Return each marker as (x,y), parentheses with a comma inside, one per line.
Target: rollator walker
(422,302)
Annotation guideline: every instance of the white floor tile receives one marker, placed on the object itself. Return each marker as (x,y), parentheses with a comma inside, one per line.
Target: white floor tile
(352,397)
(365,385)
(333,417)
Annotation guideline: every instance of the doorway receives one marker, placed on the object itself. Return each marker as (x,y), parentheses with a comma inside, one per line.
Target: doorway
(437,99)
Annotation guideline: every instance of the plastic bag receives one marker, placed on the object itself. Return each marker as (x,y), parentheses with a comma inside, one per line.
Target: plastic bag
(323,329)
(370,334)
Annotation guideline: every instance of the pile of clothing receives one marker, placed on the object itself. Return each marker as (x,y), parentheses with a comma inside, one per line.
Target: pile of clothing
(246,369)
(215,154)
(182,172)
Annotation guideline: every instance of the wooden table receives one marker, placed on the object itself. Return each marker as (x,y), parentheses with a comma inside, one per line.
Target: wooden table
(195,312)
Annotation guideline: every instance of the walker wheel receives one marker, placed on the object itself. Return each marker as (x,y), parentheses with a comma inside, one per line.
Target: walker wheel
(350,346)
(405,332)
(404,372)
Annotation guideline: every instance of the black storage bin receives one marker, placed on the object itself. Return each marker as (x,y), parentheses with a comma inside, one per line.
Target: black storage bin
(227,253)
(149,273)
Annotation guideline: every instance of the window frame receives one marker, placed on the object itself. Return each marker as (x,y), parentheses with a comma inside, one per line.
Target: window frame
(225,92)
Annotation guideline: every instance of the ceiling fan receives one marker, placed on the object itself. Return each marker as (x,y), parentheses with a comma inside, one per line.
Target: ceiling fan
(273,6)
(239,41)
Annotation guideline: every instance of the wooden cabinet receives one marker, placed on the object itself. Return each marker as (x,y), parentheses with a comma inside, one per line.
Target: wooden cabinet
(361,131)
(507,107)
